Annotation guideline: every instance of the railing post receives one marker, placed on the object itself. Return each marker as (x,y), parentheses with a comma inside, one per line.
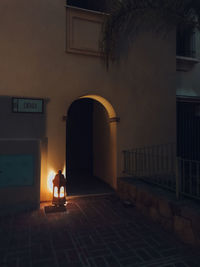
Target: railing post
(177,179)
(124,160)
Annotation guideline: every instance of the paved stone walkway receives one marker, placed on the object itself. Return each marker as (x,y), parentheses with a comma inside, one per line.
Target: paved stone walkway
(94,232)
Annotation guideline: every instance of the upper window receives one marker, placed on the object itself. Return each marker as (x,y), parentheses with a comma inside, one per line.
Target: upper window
(100,5)
(185,42)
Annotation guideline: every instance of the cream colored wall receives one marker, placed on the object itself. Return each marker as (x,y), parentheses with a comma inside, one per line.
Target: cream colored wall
(147,106)
(101,143)
(34,63)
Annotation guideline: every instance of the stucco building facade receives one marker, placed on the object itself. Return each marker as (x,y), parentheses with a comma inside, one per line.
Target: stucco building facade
(50,52)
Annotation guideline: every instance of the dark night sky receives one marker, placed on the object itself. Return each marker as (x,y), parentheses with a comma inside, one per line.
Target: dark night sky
(100,5)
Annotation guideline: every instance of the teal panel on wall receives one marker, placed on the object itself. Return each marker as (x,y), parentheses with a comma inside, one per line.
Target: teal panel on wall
(16,170)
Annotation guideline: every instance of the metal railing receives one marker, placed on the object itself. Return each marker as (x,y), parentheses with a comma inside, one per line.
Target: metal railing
(154,164)
(159,165)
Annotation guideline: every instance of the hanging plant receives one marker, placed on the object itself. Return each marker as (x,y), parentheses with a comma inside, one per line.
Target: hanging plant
(129,17)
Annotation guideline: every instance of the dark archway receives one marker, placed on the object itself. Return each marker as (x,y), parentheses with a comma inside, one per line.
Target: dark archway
(87,138)
(79,138)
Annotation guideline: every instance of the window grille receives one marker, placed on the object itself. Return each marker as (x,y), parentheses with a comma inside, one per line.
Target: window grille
(185,42)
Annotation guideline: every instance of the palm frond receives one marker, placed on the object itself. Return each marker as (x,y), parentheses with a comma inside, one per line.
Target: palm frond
(129,17)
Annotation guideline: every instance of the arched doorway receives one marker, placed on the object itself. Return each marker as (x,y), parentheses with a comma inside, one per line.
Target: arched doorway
(90,146)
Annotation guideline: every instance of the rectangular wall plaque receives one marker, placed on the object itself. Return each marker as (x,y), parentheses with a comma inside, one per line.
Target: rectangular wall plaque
(16,170)
(27,105)
(84,29)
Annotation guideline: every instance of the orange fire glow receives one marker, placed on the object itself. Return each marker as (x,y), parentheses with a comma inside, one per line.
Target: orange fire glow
(63,172)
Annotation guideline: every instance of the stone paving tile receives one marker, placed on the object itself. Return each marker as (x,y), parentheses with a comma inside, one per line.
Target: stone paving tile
(95,231)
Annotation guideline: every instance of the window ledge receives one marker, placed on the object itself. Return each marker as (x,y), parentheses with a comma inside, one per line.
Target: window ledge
(87,10)
(185,63)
